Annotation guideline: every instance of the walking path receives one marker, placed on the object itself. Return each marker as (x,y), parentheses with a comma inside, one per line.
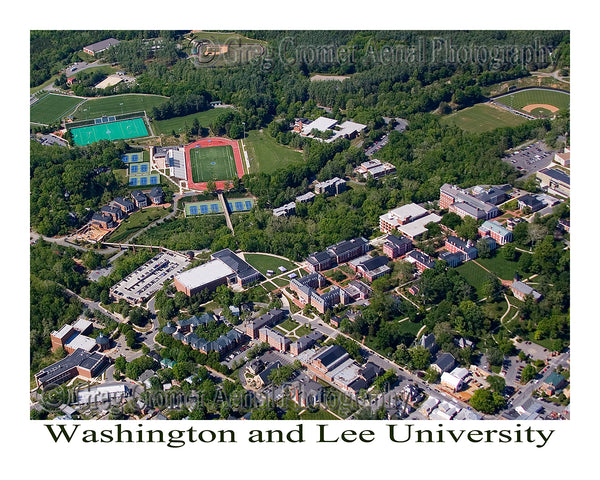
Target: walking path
(226,210)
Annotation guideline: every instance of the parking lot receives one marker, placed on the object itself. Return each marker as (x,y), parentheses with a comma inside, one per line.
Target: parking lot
(150,277)
(531,159)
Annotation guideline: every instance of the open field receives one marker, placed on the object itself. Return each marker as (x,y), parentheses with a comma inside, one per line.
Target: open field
(52,107)
(212,163)
(177,124)
(117,105)
(504,269)
(520,99)
(266,262)
(123,129)
(225,37)
(266,155)
(136,222)
(482,118)
(474,275)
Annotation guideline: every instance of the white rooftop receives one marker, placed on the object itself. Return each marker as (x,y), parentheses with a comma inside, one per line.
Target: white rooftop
(413,229)
(82,324)
(62,332)
(83,342)
(321,124)
(204,274)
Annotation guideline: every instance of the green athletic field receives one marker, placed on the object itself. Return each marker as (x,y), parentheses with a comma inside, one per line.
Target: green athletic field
(520,99)
(483,118)
(117,105)
(110,131)
(52,108)
(212,163)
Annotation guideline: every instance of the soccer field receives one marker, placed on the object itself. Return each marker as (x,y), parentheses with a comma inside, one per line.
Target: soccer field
(212,163)
(482,118)
(124,129)
(52,108)
(117,105)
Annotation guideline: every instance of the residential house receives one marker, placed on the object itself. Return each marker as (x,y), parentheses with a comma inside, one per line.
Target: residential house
(140,200)
(125,205)
(445,362)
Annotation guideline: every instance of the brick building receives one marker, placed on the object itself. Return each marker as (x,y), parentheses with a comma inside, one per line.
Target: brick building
(395,247)
(496,231)
(464,204)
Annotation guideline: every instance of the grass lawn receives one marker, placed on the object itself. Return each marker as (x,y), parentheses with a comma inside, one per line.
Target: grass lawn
(474,274)
(266,155)
(178,124)
(482,118)
(303,330)
(281,282)
(504,269)
(117,105)
(289,325)
(269,286)
(136,222)
(266,262)
(226,37)
(52,107)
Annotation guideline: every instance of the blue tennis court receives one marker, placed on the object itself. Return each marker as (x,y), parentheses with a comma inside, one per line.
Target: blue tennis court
(131,158)
(140,181)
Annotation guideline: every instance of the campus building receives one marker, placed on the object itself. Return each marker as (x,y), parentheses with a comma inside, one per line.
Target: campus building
(140,200)
(268,319)
(464,204)
(224,268)
(521,290)
(465,248)
(496,231)
(395,247)
(78,363)
(98,47)
(409,219)
(421,260)
(102,220)
(369,267)
(275,339)
(285,210)
(555,181)
(333,186)
(375,168)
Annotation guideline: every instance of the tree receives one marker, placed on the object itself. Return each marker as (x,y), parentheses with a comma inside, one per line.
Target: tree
(483,248)
(509,252)
(211,186)
(492,289)
(468,229)
(497,383)
(528,373)
(120,364)
(420,357)
(487,401)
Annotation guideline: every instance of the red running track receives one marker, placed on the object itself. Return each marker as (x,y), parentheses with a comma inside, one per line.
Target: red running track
(213,142)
